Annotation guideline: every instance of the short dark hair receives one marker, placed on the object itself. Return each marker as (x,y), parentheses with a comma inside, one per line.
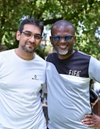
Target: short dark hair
(31,21)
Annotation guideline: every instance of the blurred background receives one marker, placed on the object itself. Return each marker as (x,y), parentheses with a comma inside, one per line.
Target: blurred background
(84,15)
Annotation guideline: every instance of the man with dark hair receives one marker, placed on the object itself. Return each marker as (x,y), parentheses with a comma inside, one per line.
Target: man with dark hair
(22,75)
(69,91)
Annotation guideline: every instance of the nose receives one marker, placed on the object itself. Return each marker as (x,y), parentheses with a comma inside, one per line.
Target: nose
(62,40)
(32,38)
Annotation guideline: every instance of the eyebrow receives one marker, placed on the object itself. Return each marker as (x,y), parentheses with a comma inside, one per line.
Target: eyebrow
(31,32)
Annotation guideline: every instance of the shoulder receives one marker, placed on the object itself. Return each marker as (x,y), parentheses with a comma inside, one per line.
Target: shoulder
(81,56)
(94,61)
(40,59)
(51,56)
(94,69)
(5,53)
(5,56)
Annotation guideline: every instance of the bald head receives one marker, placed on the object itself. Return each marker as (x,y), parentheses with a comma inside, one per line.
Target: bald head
(62,23)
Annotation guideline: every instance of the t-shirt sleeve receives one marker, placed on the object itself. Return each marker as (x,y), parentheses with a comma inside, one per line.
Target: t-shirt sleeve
(94,69)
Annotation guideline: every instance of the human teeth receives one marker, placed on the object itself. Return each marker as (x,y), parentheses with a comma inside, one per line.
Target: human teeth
(62,47)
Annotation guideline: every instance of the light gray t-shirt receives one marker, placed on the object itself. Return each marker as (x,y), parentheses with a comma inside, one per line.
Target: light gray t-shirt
(69,98)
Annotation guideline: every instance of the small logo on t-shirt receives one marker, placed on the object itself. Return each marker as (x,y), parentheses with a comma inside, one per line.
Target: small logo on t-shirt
(74,73)
(35,77)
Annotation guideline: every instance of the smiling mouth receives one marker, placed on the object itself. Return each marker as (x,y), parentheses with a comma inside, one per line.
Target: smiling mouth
(63,46)
(30,44)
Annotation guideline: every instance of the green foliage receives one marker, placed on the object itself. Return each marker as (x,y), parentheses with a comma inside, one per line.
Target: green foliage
(89,46)
(49,11)
(9,40)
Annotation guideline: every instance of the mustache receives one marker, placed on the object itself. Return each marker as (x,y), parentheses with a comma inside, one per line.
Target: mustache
(28,42)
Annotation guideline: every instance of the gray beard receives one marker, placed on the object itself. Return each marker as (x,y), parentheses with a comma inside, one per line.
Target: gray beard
(63,52)
(26,50)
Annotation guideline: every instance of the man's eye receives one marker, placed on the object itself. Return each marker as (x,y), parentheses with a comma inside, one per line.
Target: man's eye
(37,36)
(28,34)
(56,38)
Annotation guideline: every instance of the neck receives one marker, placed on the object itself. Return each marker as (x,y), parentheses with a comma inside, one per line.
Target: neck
(24,55)
(66,56)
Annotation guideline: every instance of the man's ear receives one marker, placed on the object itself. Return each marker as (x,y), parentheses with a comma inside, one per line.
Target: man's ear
(51,39)
(18,34)
(74,39)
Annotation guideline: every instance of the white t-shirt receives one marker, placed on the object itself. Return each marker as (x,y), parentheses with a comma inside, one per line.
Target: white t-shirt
(20,83)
